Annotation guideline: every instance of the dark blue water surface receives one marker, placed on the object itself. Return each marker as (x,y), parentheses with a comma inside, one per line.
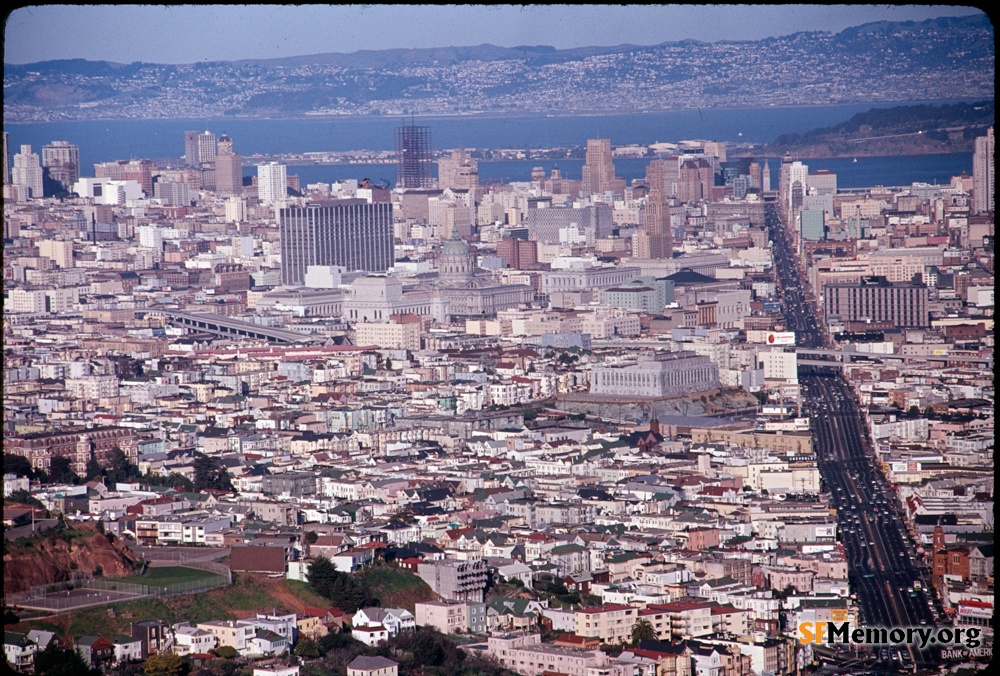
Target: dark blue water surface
(866,172)
(102,141)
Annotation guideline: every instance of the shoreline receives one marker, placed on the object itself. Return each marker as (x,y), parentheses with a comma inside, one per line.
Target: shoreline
(487,115)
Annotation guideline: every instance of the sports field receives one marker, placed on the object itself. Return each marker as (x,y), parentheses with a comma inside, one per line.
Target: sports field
(168,575)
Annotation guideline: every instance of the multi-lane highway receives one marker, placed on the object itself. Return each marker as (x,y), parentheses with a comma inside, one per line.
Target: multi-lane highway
(888,582)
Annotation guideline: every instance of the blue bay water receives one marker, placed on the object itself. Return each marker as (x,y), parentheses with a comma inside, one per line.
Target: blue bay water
(102,141)
(866,172)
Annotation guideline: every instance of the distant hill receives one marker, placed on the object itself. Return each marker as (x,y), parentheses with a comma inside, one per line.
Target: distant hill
(947,59)
(902,130)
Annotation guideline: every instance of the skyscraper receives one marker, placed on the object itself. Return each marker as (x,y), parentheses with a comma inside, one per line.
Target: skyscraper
(191,148)
(272,182)
(657,239)
(458,171)
(28,171)
(694,181)
(228,169)
(983,188)
(413,157)
(599,169)
(6,159)
(662,175)
(352,233)
(206,148)
(62,160)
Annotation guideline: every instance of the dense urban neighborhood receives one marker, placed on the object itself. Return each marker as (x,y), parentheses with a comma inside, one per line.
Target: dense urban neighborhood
(730,417)
(579,426)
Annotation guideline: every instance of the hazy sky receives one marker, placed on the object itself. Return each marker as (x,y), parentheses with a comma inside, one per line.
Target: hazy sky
(190,33)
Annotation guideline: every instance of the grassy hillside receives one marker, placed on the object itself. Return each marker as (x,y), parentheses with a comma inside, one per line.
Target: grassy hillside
(246,596)
(395,587)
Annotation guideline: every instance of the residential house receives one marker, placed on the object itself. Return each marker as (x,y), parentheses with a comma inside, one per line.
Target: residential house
(96,651)
(154,635)
(394,620)
(19,651)
(127,648)
(370,635)
(365,665)
(452,617)
(610,623)
(190,640)
(234,633)
(525,654)
(267,642)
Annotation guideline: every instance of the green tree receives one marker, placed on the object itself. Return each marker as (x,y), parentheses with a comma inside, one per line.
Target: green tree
(61,471)
(10,617)
(23,497)
(209,473)
(643,630)
(93,470)
(321,575)
(226,652)
(16,464)
(427,650)
(120,468)
(165,664)
(306,647)
(173,480)
(312,536)
(56,661)
(343,590)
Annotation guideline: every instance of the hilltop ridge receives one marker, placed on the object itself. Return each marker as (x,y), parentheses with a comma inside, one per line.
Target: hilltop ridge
(934,60)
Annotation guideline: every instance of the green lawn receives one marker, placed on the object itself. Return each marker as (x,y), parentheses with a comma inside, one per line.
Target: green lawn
(162,577)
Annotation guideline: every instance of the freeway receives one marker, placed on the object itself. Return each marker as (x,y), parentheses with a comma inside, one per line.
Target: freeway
(889,583)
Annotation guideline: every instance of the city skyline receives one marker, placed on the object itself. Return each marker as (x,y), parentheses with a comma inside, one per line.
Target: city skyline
(190,34)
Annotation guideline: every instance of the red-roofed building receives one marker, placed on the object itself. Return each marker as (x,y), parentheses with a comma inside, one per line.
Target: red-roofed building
(317,622)
(574,641)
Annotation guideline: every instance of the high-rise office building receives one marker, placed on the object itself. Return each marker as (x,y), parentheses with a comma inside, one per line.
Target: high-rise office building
(656,238)
(875,299)
(228,168)
(28,171)
(662,175)
(695,180)
(62,161)
(792,172)
(206,147)
(599,169)
(6,159)
(785,182)
(983,187)
(413,157)
(191,148)
(140,171)
(272,183)
(459,171)
(351,233)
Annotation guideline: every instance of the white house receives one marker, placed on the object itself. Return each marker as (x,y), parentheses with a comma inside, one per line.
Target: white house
(370,636)
(127,648)
(189,640)
(394,620)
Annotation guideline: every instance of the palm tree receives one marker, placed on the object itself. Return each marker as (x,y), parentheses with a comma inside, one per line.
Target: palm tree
(643,630)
